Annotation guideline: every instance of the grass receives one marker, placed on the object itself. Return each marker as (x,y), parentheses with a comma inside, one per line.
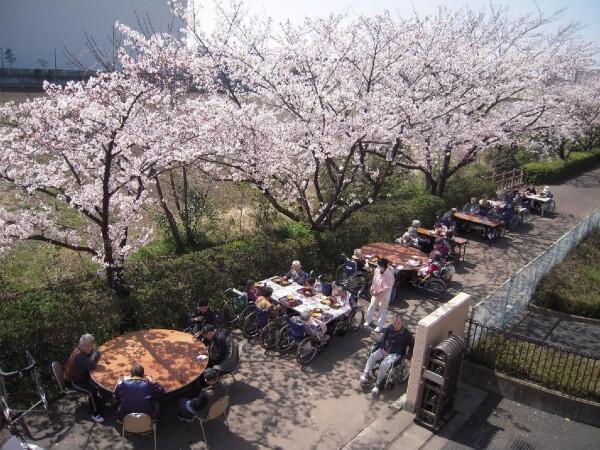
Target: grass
(573,286)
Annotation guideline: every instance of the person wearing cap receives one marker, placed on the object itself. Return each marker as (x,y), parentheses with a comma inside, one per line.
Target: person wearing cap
(381,292)
(472,207)
(214,391)
(449,220)
(296,274)
(202,315)
(138,394)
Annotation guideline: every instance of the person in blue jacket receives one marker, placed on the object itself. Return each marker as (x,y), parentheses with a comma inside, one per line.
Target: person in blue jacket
(138,394)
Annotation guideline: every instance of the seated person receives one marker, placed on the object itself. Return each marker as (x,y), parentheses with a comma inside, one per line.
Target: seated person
(530,190)
(448,219)
(410,238)
(484,207)
(344,297)
(208,396)
(296,274)
(506,214)
(265,302)
(203,314)
(397,342)
(138,394)
(495,214)
(251,290)
(546,192)
(442,247)
(216,341)
(472,207)
(312,326)
(77,373)
(434,265)
(439,229)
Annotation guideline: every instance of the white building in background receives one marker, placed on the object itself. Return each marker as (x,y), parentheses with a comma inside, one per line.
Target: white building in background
(39,31)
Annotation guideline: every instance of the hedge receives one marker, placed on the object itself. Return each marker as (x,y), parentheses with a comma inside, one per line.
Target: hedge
(49,321)
(554,171)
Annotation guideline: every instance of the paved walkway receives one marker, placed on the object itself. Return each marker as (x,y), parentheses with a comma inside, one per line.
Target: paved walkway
(277,405)
(487,266)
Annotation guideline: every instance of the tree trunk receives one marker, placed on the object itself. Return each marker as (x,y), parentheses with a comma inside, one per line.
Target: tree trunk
(179,247)
(186,210)
(116,281)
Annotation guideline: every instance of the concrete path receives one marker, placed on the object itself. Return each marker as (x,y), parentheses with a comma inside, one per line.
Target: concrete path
(487,267)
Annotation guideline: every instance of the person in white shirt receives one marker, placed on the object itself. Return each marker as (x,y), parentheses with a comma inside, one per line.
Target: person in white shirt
(381,291)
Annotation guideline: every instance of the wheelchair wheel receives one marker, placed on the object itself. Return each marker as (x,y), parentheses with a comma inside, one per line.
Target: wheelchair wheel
(268,336)
(307,350)
(436,289)
(284,341)
(398,375)
(250,326)
(340,274)
(357,282)
(357,319)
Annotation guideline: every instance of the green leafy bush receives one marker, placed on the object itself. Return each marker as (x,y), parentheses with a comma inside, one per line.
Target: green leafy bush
(548,172)
(574,285)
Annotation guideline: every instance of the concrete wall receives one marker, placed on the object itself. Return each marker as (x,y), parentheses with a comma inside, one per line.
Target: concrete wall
(449,318)
(531,394)
(35,29)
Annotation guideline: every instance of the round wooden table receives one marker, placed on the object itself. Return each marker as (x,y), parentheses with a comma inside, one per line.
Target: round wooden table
(397,254)
(168,357)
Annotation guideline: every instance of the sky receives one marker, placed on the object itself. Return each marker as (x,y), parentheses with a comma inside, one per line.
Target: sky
(585,11)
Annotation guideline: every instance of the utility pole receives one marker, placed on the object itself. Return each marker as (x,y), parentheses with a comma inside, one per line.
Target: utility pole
(54,77)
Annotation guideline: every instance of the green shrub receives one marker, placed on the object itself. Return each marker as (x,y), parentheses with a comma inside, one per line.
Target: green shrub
(574,285)
(549,172)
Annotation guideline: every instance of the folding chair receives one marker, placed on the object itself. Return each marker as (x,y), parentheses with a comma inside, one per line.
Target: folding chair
(139,423)
(59,377)
(218,409)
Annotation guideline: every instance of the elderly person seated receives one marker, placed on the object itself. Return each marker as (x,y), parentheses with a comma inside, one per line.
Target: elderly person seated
(312,326)
(484,207)
(296,274)
(442,247)
(208,396)
(82,361)
(265,302)
(397,342)
(546,192)
(472,207)
(449,220)
(216,341)
(434,265)
(138,394)
(410,238)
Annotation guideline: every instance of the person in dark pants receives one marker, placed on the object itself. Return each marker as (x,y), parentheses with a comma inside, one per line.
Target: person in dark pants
(203,315)
(216,341)
(397,342)
(208,396)
(77,372)
(138,394)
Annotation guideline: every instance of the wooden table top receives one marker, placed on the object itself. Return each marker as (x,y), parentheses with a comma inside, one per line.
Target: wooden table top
(168,357)
(429,233)
(476,219)
(397,254)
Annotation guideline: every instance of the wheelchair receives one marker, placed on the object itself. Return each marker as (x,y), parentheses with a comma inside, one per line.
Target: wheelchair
(434,285)
(268,335)
(354,275)
(12,415)
(397,375)
(354,321)
(254,322)
(235,308)
(308,347)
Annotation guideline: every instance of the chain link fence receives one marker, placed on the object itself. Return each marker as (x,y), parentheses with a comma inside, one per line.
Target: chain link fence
(506,302)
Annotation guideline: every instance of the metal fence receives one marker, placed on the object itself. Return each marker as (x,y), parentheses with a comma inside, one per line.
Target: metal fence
(506,302)
(551,366)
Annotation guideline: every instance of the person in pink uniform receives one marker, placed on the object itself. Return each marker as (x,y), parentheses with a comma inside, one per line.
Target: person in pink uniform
(381,291)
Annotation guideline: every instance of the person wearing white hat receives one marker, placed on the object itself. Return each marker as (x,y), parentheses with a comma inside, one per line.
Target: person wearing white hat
(546,192)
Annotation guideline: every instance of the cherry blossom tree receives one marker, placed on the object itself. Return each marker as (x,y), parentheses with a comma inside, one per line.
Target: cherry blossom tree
(91,147)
